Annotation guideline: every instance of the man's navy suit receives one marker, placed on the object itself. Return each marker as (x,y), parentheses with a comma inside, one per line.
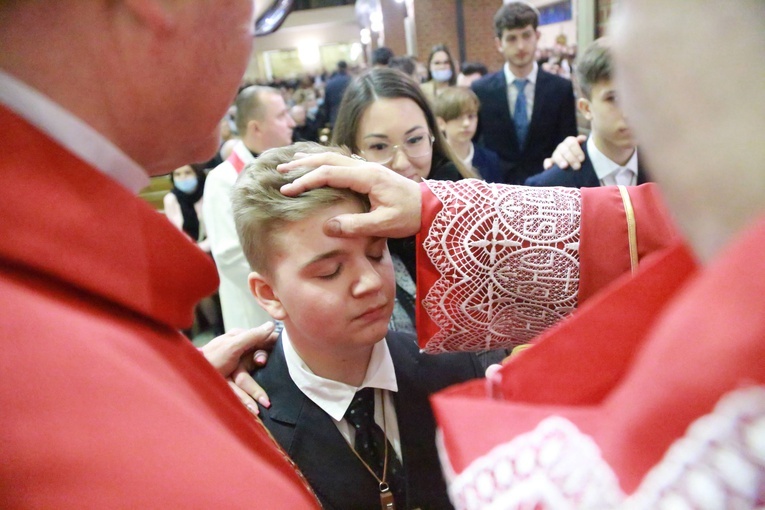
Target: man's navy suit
(311,438)
(552,120)
(585,177)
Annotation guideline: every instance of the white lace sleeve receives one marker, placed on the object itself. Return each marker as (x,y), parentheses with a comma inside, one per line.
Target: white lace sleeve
(507,259)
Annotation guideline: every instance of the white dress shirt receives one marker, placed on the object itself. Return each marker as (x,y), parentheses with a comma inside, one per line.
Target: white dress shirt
(71,132)
(609,172)
(240,308)
(334,397)
(468,161)
(512,90)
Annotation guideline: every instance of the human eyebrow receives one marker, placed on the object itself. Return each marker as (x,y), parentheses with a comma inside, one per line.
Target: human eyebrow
(376,135)
(415,128)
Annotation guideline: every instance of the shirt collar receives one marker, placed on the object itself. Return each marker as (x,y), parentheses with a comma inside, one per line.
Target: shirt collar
(468,161)
(71,132)
(334,397)
(604,166)
(510,77)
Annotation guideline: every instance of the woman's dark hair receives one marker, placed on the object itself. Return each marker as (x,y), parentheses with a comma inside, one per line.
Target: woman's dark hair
(433,51)
(385,83)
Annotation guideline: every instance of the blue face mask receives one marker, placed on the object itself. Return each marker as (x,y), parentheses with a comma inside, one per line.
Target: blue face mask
(442,75)
(188,186)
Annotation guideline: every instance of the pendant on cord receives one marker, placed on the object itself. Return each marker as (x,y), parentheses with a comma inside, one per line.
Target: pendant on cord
(386,497)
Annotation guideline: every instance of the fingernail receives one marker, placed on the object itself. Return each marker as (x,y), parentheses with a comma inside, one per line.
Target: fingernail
(253,409)
(260,358)
(263,400)
(332,227)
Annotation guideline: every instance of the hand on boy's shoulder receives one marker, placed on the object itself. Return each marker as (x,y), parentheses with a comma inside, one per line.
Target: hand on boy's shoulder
(235,354)
(567,154)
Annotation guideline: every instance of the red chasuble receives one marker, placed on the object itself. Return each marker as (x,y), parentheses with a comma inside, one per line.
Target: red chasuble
(652,395)
(104,403)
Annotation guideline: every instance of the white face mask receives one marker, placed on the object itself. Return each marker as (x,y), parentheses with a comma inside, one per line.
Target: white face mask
(442,75)
(188,185)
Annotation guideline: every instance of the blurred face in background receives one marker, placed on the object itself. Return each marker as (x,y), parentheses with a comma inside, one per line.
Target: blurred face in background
(185,179)
(440,67)
(460,129)
(519,47)
(275,127)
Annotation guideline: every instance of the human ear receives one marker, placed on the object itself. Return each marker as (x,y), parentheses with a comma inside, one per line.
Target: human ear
(266,296)
(498,44)
(584,108)
(253,127)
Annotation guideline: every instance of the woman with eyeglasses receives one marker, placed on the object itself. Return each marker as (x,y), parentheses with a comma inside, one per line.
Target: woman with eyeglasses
(385,118)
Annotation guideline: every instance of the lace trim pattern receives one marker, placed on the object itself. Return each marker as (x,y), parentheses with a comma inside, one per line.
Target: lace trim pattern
(718,464)
(508,260)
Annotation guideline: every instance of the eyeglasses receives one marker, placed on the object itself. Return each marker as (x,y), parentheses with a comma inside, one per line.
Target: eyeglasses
(416,146)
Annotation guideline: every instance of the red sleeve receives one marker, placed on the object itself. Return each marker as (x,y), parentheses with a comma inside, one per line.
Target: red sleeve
(497,265)
(427,274)
(604,246)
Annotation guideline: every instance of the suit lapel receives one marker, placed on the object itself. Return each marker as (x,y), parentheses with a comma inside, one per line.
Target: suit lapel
(409,408)
(643,176)
(286,398)
(540,92)
(586,176)
(311,438)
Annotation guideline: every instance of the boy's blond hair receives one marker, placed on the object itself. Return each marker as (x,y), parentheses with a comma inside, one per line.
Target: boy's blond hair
(260,209)
(454,102)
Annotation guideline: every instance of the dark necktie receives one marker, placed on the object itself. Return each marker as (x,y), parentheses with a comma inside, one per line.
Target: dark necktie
(370,442)
(521,113)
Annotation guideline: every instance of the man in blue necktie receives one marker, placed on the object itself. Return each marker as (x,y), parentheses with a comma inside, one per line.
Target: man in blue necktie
(525,111)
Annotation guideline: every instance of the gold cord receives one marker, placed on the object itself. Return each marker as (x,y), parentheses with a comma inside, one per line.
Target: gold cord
(385,462)
(631,227)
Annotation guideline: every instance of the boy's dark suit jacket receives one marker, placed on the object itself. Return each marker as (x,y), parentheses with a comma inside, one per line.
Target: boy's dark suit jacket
(585,177)
(311,439)
(487,163)
(552,120)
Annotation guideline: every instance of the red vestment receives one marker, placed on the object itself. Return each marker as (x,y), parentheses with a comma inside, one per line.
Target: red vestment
(498,264)
(105,404)
(652,393)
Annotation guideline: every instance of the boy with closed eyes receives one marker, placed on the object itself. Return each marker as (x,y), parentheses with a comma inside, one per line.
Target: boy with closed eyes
(336,358)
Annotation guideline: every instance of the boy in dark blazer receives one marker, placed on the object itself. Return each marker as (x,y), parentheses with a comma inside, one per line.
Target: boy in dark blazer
(456,110)
(335,297)
(610,153)
(525,111)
